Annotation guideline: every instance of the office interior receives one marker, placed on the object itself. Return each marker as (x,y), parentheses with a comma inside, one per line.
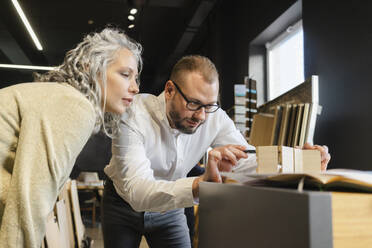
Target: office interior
(337,48)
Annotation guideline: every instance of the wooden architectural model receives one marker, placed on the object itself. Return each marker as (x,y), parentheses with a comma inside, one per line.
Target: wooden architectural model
(283,159)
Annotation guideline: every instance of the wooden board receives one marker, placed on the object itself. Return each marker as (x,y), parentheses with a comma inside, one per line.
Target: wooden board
(286,159)
(307,161)
(64,195)
(52,235)
(304,123)
(292,124)
(297,128)
(261,131)
(311,161)
(43,243)
(267,159)
(351,220)
(78,223)
(284,125)
(62,224)
(314,110)
(276,125)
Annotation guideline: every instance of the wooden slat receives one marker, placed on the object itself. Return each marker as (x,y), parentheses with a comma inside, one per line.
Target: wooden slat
(352,220)
(64,195)
(78,223)
(62,224)
(52,235)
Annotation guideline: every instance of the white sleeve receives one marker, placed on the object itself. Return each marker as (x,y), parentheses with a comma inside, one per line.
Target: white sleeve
(229,134)
(134,180)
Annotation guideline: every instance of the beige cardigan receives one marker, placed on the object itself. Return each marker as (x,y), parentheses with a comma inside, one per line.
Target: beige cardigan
(43,128)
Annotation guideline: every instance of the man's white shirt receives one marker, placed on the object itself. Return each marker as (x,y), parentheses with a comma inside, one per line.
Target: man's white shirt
(150,160)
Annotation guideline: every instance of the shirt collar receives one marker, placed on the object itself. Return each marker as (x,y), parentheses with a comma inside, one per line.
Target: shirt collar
(162,114)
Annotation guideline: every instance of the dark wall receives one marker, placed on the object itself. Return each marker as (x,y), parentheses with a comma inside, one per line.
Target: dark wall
(226,34)
(94,157)
(11,77)
(337,41)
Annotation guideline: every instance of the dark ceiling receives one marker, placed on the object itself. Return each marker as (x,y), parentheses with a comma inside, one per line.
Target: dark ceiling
(165,28)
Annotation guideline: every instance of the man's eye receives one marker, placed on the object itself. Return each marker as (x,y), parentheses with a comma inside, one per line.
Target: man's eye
(194,104)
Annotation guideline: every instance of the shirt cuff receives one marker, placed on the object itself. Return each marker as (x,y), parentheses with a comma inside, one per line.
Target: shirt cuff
(183,189)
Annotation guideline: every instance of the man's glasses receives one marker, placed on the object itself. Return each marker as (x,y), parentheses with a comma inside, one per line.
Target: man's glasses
(195,106)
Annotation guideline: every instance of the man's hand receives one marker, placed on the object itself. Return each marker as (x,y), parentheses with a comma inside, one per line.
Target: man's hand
(222,159)
(324,155)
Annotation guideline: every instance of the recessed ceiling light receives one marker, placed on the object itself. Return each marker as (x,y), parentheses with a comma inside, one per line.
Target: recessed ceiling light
(133,11)
(90,22)
(130,18)
(131,26)
(27,67)
(27,24)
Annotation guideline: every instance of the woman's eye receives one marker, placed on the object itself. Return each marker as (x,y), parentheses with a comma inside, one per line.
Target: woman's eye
(125,74)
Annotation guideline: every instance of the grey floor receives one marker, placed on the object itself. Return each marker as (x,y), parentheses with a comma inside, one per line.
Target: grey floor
(96,234)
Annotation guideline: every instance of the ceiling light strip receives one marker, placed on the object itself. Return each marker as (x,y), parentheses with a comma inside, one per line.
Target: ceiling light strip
(27,24)
(28,67)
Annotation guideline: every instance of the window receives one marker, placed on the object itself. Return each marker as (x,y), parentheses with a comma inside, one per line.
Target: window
(285,61)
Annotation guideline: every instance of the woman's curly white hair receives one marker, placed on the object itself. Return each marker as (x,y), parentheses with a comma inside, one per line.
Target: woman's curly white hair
(86,65)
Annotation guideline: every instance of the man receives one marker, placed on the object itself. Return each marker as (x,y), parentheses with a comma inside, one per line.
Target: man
(160,142)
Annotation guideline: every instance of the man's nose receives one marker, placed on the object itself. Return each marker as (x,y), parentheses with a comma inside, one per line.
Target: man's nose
(200,114)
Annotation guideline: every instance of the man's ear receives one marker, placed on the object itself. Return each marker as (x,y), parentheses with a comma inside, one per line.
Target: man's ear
(169,89)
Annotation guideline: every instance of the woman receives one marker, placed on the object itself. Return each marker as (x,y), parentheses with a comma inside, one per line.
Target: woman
(44,126)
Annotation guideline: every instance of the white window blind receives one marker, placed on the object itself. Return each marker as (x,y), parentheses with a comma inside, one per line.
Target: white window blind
(285,61)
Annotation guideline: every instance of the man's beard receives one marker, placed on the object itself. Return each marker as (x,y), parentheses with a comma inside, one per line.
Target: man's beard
(177,122)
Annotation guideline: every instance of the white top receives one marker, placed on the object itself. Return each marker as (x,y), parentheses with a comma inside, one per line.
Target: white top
(150,160)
